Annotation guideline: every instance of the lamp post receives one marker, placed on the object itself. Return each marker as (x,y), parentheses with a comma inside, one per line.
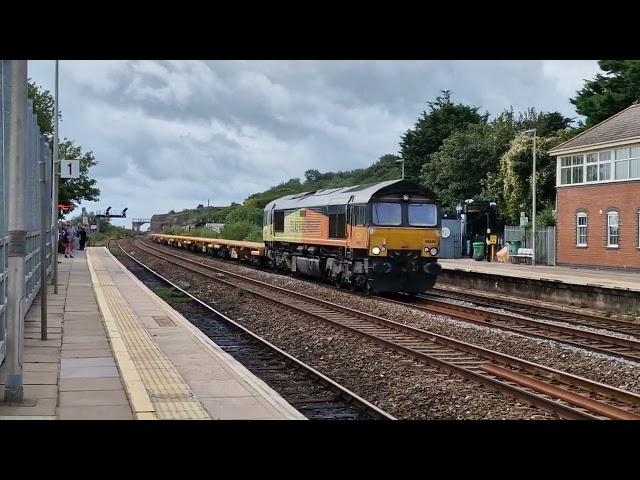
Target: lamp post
(458,211)
(533,223)
(56,175)
(401,161)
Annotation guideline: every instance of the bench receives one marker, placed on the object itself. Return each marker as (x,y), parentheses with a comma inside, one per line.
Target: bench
(523,254)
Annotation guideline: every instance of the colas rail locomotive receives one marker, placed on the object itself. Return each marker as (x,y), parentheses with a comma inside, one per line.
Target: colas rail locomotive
(381,237)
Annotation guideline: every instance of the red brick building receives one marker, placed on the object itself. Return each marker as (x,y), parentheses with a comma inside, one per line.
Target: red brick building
(598,194)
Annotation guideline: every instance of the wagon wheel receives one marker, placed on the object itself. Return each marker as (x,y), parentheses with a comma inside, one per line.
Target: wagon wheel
(337,281)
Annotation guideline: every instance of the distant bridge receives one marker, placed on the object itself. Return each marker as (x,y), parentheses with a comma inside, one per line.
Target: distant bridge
(136,223)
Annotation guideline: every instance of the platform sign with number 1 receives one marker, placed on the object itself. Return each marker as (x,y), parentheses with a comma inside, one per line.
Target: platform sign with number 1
(69,168)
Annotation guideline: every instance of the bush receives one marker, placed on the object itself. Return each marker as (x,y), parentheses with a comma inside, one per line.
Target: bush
(175,230)
(237,230)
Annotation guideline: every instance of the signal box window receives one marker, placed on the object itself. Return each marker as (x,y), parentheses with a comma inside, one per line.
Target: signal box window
(581,230)
(612,229)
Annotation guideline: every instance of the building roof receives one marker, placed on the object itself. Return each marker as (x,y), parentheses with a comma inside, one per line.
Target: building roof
(340,196)
(622,126)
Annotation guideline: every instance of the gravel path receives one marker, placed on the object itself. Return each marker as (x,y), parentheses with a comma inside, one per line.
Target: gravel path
(404,387)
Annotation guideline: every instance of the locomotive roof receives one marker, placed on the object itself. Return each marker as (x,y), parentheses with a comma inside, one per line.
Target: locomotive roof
(341,195)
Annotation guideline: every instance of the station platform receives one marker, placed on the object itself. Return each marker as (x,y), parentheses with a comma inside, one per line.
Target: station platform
(117,351)
(604,278)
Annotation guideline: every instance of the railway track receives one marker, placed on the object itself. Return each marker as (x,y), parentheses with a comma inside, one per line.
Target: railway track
(598,342)
(567,395)
(531,309)
(611,345)
(307,390)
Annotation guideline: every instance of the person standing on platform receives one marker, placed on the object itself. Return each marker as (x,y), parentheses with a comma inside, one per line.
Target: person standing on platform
(68,236)
(82,234)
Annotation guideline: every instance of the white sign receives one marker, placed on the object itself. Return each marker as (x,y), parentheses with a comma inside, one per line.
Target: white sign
(69,168)
(94,227)
(445,232)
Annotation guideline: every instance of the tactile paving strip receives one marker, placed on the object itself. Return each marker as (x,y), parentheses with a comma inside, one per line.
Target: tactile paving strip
(169,393)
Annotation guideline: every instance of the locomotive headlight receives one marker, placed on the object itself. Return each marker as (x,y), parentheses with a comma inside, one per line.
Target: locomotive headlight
(433,252)
(375,250)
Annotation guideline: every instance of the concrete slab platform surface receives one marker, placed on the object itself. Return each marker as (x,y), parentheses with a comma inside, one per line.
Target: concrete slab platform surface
(170,369)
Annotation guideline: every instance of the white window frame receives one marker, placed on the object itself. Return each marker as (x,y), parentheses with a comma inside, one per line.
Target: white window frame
(579,227)
(598,164)
(609,225)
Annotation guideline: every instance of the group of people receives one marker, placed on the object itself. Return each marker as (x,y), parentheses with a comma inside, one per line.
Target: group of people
(67,233)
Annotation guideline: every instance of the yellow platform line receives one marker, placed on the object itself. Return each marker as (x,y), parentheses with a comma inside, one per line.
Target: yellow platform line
(154,386)
(252,382)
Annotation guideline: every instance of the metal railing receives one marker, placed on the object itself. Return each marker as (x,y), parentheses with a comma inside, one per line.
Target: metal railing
(38,152)
(545,242)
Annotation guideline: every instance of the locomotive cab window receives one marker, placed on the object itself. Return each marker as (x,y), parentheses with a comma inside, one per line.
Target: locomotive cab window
(423,214)
(278,221)
(387,213)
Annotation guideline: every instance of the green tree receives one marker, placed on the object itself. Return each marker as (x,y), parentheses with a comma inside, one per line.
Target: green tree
(609,93)
(43,106)
(516,169)
(459,167)
(432,129)
(238,231)
(467,165)
(242,213)
(71,190)
(312,176)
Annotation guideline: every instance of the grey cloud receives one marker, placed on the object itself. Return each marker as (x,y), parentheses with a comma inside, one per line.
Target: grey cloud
(172,134)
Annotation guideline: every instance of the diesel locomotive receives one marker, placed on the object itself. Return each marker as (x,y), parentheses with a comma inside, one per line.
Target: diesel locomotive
(382,237)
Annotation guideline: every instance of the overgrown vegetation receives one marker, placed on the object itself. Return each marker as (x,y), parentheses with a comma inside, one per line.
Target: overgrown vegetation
(171,295)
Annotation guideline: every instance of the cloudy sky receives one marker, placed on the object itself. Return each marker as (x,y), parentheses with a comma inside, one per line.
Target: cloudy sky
(172,134)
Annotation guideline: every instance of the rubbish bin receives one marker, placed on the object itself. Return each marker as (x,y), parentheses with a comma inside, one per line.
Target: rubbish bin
(478,251)
(515,245)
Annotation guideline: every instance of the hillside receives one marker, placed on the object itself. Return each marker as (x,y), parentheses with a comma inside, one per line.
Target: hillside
(244,222)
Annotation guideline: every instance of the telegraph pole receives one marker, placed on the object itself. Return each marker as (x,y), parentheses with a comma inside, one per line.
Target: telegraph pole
(17,156)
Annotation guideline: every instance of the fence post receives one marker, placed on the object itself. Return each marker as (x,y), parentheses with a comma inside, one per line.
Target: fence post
(44,205)
(17,149)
